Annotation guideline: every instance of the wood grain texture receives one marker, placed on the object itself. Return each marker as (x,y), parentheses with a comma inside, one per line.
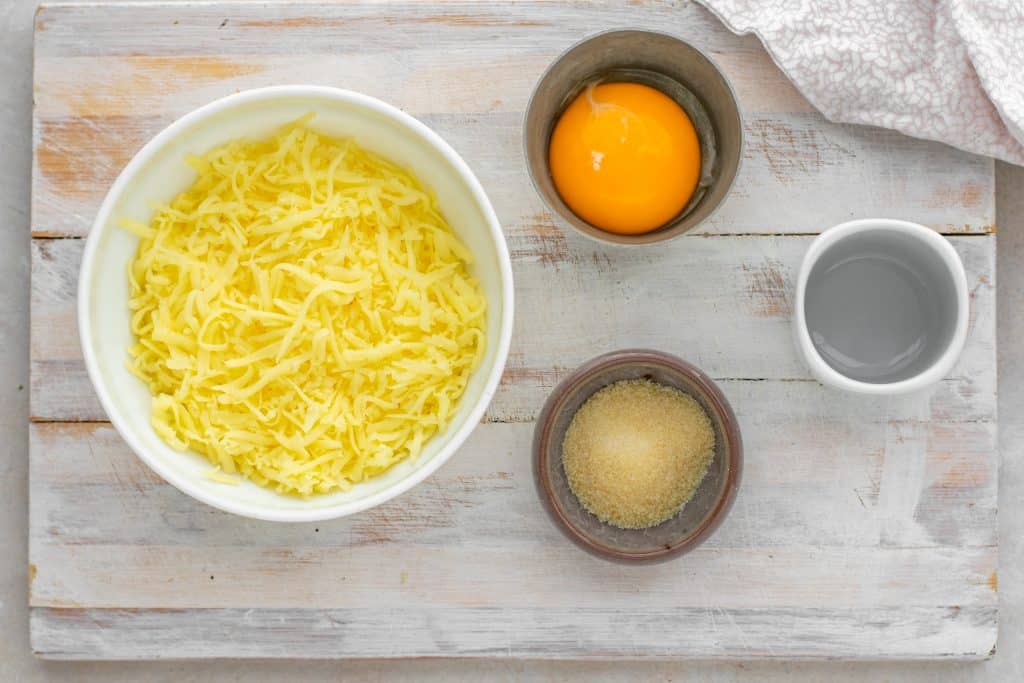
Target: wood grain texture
(561,633)
(865,527)
(909,504)
(97,101)
(722,292)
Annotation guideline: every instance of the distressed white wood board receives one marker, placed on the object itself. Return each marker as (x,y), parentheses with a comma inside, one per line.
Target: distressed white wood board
(865,528)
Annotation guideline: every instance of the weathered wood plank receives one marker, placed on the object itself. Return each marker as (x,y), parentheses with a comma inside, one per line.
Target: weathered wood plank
(85,467)
(884,501)
(440,66)
(480,576)
(601,633)
(864,172)
(722,292)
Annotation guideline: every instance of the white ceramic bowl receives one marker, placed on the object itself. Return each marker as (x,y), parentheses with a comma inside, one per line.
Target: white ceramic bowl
(158,172)
(893,326)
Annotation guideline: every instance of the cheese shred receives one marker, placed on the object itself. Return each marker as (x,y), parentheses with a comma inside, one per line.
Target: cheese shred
(303,314)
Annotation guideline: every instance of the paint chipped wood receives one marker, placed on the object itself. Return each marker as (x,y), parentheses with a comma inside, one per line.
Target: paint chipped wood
(865,528)
(716,633)
(722,293)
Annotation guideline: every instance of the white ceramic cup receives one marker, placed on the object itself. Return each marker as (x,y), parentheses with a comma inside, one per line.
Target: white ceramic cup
(881,307)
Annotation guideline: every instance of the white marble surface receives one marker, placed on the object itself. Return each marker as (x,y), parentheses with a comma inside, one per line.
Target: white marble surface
(17,663)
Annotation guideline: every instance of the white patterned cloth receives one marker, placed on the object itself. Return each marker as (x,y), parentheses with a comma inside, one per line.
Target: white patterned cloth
(947,70)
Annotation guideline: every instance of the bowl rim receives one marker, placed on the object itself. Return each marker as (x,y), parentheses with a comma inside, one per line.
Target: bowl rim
(724,415)
(660,234)
(929,239)
(167,135)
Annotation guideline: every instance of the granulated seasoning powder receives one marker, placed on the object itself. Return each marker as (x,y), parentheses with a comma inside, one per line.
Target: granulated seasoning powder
(636,452)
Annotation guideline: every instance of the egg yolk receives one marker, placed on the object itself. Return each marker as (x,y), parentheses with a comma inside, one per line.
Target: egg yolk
(625,157)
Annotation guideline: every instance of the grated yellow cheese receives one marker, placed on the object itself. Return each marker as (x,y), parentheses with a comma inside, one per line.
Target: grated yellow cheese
(303,313)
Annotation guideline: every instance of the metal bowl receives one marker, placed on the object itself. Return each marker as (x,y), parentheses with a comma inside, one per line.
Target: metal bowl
(664,62)
(697,519)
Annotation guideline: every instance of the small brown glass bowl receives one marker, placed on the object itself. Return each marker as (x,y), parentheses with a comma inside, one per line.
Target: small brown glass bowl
(697,519)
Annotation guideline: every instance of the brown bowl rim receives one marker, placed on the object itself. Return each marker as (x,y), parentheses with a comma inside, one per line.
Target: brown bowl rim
(657,235)
(723,414)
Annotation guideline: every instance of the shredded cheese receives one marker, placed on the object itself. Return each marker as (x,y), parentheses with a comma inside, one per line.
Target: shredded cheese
(303,313)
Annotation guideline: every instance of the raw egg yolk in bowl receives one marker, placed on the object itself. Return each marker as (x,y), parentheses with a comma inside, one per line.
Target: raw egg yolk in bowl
(625,157)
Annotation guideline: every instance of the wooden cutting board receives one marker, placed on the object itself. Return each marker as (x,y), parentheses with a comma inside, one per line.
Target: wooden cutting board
(865,528)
